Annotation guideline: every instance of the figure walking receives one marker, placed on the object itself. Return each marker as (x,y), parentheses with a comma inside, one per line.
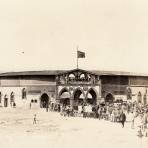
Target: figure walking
(34,119)
(133,120)
(47,107)
(30,105)
(122,118)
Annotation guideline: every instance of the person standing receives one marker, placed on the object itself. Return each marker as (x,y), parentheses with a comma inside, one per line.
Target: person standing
(30,105)
(34,119)
(47,107)
(84,110)
(14,105)
(68,110)
(132,120)
(99,112)
(122,118)
(113,116)
(144,121)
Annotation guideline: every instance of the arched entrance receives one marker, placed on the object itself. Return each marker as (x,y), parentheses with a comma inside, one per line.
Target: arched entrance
(78,97)
(109,98)
(44,100)
(91,97)
(64,97)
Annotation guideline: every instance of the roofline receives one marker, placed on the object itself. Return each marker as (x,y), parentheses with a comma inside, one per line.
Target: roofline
(59,72)
(69,71)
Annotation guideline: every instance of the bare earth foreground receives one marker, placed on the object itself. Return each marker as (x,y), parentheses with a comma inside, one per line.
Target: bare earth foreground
(54,131)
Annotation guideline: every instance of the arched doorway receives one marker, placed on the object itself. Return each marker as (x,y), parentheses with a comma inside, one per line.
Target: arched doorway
(64,97)
(44,100)
(78,97)
(109,98)
(91,97)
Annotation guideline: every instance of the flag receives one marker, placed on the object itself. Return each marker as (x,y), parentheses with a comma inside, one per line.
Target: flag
(80,54)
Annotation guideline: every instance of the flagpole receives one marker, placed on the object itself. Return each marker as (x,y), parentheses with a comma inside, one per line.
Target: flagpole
(77,63)
(77,58)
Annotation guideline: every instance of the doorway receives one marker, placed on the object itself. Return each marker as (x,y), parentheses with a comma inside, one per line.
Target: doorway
(44,100)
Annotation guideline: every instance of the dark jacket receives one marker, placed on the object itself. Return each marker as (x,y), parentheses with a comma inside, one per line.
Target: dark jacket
(122,117)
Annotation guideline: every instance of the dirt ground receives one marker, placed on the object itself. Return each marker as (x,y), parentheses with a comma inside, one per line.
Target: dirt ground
(54,131)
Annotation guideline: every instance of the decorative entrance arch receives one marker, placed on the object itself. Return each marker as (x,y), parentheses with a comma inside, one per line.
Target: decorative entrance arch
(91,96)
(64,96)
(44,100)
(78,97)
(109,98)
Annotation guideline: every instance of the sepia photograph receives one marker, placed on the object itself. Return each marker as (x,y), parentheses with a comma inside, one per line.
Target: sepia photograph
(73,73)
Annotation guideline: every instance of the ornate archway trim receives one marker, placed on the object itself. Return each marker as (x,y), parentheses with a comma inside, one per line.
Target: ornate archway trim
(62,90)
(94,91)
(77,90)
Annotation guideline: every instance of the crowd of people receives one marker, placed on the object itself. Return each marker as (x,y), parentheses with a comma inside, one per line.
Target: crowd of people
(136,114)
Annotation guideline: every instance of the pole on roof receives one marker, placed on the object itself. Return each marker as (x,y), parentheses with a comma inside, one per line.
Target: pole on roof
(77,58)
(77,62)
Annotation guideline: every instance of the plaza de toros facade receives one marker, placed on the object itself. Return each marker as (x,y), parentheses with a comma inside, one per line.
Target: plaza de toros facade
(70,87)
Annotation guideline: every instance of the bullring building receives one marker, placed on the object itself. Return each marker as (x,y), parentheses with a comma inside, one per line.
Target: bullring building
(71,87)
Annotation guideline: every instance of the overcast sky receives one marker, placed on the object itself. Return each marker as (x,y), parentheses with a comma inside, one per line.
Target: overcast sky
(44,34)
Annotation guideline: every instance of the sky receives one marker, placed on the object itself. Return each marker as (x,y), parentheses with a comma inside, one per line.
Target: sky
(45,34)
